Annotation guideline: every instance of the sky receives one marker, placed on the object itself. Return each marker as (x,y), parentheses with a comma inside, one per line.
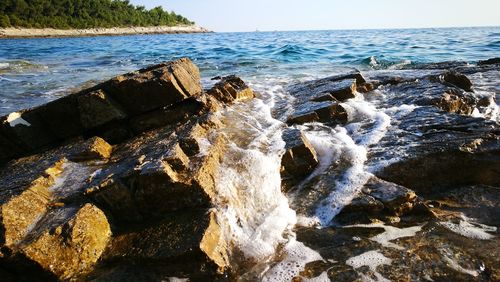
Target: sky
(270,15)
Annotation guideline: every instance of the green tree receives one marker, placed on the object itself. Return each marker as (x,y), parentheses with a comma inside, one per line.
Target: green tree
(4,21)
(83,14)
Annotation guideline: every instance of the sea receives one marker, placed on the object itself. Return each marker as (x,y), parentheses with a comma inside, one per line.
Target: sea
(35,71)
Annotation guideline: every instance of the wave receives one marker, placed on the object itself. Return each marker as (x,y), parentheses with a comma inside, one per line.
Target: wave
(290,49)
(375,63)
(20,66)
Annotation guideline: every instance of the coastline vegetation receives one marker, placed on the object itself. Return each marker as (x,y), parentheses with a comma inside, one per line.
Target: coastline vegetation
(79,14)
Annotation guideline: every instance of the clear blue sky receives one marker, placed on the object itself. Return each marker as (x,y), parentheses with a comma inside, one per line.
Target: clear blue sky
(246,15)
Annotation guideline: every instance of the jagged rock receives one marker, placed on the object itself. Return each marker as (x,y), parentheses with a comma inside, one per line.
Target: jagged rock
(156,86)
(362,209)
(453,101)
(366,87)
(230,89)
(167,240)
(104,109)
(395,198)
(457,79)
(465,158)
(321,112)
(92,149)
(377,200)
(324,98)
(69,245)
(300,158)
(491,61)
(97,108)
(341,87)
(167,116)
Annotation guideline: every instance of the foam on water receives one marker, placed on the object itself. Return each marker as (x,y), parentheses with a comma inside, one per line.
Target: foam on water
(296,257)
(451,261)
(349,143)
(372,259)
(390,233)
(467,228)
(254,214)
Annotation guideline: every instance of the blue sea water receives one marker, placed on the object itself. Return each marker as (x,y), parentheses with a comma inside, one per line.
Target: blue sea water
(34,71)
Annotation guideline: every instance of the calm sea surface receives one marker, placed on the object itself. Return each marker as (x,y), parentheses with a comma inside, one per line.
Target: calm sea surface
(34,71)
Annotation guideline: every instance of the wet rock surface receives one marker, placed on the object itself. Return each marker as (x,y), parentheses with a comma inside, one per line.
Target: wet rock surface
(397,174)
(89,210)
(427,209)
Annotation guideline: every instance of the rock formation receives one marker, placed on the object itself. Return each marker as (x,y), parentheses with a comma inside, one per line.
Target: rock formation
(117,174)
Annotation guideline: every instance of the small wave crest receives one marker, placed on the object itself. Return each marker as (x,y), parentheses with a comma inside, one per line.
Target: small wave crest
(20,66)
(375,63)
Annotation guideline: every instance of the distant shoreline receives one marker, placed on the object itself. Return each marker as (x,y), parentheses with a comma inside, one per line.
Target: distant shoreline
(14,32)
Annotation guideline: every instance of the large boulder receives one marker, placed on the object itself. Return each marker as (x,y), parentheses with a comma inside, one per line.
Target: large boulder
(148,98)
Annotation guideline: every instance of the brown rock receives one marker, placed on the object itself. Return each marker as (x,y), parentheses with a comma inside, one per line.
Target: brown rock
(97,108)
(302,118)
(194,234)
(344,90)
(61,117)
(92,149)
(168,116)
(300,158)
(457,79)
(323,112)
(230,89)
(365,87)
(24,198)
(454,101)
(70,247)
(396,199)
(26,129)
(155,87)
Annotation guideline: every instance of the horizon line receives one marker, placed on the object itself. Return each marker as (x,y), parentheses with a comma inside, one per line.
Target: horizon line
(349,29)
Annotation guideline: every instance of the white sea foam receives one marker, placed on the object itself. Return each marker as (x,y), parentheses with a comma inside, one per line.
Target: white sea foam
(350,144)
(372,259)
(456,266)
(176,279)
(15,119)
(296,257)
(467,228)
(390,233)
(4,65)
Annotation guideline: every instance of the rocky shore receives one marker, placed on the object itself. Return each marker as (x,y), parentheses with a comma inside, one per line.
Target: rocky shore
(119,182)
(50,32)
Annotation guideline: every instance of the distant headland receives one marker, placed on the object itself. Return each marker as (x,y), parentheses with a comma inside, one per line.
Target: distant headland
(45,18)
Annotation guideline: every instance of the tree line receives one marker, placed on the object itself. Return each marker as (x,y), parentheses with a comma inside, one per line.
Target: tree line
(66,14)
